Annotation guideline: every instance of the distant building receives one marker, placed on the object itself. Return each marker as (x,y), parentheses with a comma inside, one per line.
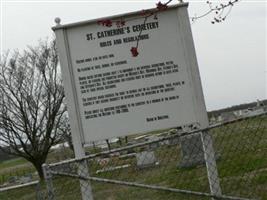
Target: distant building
(253,111)
(260,108)
(239,111)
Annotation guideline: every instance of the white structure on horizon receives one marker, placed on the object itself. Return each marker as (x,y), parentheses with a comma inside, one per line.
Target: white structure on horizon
(260,108)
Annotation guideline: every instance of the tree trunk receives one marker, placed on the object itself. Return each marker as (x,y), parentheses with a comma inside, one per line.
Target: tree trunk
(38,166)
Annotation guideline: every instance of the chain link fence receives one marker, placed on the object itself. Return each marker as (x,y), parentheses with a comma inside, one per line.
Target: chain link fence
(225,161)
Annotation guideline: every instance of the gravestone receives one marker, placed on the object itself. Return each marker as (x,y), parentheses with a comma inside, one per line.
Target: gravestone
(164,142)
(145,159)
(25,179)
(153,145)
(191,150)
(174,141)
(12,179)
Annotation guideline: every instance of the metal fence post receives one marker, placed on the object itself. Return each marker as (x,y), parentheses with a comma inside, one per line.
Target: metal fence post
(211,166)
(86,189)
(49,182)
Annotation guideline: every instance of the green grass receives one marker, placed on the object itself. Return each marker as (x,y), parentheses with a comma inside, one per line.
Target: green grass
(68,189)
(20,167)
(14,167)
(12,162)
(26,193)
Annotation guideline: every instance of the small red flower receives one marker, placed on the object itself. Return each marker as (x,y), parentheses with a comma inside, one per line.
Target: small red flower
(120,23)
(106,22)
(134,51)
(161,6)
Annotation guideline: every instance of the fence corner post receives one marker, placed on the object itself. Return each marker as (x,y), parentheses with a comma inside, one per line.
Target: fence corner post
(211,165)
(48,181)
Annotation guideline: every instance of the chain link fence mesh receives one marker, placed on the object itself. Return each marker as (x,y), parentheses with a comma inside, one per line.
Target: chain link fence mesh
(225,161)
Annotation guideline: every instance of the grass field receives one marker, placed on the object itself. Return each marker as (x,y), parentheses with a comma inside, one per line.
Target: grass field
(14,167)
(242,167)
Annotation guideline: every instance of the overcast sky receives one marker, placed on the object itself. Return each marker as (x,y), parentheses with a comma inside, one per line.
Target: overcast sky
(231,55)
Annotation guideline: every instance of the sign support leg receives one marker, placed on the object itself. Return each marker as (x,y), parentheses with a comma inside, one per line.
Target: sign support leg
(83,171)
(86,189)
(73,111)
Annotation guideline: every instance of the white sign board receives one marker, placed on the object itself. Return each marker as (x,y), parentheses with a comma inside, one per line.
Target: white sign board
(111,93)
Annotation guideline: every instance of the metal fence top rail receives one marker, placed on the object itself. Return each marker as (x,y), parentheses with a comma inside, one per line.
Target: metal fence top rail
(180,134)
(19,186)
